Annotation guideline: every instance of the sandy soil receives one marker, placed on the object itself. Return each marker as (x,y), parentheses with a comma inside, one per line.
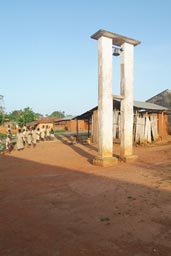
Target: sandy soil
(54,202)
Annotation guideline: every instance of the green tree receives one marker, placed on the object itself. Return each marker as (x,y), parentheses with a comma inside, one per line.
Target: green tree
(22,117)
(59,114)
(38,116)
(1,109)
(1,117)
(28,115)
(14,115)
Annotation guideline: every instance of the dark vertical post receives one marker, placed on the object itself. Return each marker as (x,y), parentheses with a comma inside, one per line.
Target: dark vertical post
(77,130)
(88,127)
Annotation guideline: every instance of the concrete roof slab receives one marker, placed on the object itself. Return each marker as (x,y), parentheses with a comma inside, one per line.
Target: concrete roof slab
(116,38)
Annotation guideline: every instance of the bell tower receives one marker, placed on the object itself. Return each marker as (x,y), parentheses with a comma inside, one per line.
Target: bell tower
(106,41)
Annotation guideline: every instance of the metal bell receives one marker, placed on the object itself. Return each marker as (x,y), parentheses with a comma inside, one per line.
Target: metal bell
(116,52)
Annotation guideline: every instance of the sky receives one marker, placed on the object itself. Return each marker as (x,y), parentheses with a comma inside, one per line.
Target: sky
(49,62)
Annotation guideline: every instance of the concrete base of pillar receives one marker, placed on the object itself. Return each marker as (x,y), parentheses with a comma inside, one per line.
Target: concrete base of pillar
(105,162)
(130,158)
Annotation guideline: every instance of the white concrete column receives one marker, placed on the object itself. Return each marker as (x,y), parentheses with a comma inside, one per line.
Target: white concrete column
(105,102)
(127,88)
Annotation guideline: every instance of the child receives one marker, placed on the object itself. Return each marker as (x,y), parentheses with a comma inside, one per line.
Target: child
(20,143)
(29,137)
(1,146)
(52,134)
(34,136)
(8,144)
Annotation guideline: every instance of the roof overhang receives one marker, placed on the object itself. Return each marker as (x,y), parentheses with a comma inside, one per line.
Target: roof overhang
(137,105)
(116,38)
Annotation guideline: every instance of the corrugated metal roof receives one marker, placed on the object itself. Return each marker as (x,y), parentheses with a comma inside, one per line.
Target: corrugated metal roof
(163,93)
(139,105)
(148,106)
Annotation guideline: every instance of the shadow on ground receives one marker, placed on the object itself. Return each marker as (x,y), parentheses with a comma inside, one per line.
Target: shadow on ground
(51,210)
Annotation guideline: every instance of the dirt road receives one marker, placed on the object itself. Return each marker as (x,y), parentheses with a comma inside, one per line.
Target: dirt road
(54,202)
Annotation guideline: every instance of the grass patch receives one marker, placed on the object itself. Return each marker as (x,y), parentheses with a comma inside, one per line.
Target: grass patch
(59,131)
(3,136)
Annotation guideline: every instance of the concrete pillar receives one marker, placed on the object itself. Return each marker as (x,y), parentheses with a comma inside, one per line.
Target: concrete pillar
(105,100)
(105,103)
(127,89)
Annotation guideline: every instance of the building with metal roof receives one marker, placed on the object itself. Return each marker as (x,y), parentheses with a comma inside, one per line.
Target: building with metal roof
(144,112)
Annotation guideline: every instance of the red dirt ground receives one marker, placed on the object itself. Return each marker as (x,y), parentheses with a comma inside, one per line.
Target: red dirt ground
(54,202)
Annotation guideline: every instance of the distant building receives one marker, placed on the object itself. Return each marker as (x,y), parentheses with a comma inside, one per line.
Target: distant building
(70,125)
(61,124)
(163,99)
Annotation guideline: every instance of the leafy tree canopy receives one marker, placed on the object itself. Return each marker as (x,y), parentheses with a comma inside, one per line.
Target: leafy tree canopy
(22,117)
(59,114)
(1,117)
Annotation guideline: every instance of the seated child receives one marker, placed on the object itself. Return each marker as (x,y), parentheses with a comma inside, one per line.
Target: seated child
(2,147)
(8,143)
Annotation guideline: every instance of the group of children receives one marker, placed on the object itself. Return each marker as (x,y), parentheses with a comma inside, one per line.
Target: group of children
(27,136)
